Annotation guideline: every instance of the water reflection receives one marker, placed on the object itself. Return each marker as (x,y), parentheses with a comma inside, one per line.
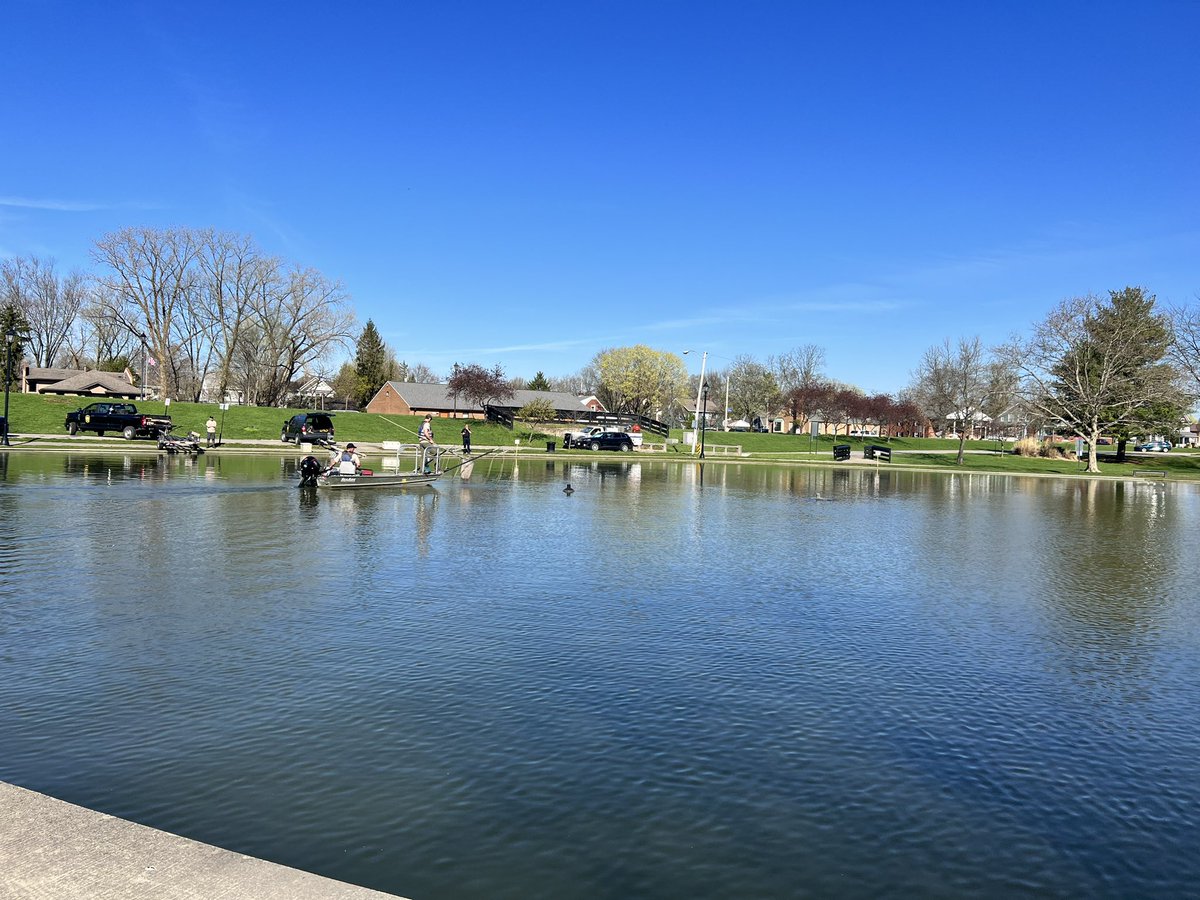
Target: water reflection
(729,678)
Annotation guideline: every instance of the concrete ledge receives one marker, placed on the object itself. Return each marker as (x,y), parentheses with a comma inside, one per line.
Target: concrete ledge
(51,850)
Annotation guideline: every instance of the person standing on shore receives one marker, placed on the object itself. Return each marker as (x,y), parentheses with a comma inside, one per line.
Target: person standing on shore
(211,427)
(466,436)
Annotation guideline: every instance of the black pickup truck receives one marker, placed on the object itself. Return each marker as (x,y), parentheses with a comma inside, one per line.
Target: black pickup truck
(122,417)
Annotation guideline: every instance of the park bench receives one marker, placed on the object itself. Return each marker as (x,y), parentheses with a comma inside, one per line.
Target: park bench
(841,452)
(877,452)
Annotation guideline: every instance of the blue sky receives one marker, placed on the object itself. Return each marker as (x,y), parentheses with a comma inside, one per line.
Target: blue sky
(526,183)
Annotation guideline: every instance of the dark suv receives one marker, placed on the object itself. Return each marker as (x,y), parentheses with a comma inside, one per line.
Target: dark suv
(309,427)
(608,440)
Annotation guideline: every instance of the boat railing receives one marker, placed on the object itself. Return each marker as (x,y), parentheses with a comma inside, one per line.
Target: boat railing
(427,459)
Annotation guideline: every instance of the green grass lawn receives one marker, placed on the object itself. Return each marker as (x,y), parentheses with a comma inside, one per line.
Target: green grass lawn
(1177,467)
(752,442)
(38,414)
(35,414)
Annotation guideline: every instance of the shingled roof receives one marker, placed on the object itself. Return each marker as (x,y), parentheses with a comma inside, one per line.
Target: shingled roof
(437,397)
(111,384)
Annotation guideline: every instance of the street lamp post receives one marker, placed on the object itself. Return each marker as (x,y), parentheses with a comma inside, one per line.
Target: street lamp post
(703,361)
(9,336)
(704,394)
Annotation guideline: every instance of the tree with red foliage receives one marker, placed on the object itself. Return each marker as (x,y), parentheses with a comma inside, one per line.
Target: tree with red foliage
(478,385)
(808,400)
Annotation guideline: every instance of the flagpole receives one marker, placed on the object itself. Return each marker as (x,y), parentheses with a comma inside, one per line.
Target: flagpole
(726,401)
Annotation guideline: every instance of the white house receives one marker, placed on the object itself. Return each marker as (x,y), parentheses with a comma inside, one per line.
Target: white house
(978,421)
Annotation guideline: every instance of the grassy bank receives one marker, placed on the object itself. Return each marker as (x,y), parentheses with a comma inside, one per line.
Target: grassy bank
(36,414)
(33,414)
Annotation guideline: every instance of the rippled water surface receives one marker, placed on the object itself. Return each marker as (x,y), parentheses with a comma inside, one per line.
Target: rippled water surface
(751,681)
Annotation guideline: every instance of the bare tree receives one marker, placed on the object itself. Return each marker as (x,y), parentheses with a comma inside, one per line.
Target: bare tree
(300,317)
(233,273)
(799,367)
(96,339)
(420,373)
(1185,348)
(585,381)
(151,279)
(49,302)
(954,382)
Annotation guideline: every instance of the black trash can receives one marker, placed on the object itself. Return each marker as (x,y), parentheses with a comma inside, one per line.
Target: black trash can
(549,446)
(3,426)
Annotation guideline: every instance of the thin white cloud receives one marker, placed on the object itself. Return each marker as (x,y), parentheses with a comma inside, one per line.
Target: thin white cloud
(56,205)
(771,311)
(474,352)
(845,306)
(73,205)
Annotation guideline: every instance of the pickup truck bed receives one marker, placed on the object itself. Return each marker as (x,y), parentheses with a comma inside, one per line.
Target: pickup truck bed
(122,417)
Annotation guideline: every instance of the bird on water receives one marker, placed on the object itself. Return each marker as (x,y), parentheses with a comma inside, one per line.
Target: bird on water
(568,490)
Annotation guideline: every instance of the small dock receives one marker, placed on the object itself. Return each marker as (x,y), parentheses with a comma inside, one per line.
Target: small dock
(52,850)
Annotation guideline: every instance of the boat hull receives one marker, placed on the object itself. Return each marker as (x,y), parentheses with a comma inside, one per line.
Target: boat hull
(336,481)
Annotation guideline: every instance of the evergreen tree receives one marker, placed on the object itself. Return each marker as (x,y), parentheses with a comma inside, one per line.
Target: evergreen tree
(370,363)
(539,383)
(13,319)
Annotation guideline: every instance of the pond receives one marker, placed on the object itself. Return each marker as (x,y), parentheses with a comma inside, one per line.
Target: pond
(735,680)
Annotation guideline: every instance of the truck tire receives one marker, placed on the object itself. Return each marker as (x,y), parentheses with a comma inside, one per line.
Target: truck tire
(595,446)
(72,428)
(130,432)
(625,448)
(99,434)
(283,436)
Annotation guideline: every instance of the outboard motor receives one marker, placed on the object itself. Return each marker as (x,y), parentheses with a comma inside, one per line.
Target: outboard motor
(310,468)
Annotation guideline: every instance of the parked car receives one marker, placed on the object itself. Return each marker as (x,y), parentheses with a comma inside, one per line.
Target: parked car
(607,440)
(586,433)
(308,427)
(1154,447)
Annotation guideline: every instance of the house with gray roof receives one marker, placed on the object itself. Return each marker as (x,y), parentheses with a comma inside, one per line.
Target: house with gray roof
(410,398)
(76,382)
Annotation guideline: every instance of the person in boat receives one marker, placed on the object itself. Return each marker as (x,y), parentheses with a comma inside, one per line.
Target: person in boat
(349,462)
(425,440)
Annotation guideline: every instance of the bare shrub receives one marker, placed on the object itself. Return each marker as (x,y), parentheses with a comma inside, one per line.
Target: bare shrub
(1027,447)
